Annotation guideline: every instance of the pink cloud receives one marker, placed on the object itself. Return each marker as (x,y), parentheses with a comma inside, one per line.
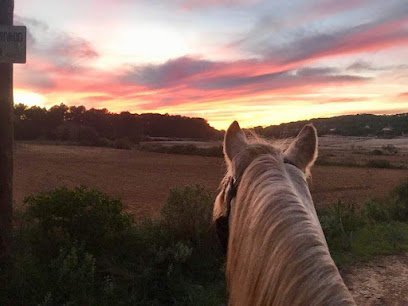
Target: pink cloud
(199,4)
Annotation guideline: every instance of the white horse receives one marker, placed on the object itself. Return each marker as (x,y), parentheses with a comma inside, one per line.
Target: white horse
(265,217)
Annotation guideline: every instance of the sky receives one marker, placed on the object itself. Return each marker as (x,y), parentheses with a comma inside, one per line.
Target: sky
(258,62)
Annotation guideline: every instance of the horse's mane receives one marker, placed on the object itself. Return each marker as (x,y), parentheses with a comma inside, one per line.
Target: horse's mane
(277,253)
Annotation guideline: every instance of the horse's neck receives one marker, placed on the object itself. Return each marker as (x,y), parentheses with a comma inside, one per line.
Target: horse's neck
(298,182)
(277,251)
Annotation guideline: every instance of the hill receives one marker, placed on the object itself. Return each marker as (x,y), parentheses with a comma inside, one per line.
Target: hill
(350,125)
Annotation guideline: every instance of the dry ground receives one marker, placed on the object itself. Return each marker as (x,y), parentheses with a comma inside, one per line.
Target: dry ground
(143,179)
(383,281)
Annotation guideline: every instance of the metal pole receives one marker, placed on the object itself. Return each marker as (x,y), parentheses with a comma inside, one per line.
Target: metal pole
(6,141)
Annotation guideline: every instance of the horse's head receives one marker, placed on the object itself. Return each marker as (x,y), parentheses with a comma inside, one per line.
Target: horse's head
(239,152)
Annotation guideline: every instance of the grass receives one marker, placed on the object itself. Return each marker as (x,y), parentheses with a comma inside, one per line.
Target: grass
(371,163)
(78,247)
(357,233)
(188,149)
(216,151)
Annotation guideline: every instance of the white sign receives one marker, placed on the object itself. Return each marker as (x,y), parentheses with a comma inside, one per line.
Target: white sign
(13,44)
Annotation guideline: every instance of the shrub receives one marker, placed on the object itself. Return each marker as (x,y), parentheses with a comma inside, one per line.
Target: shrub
(189,149)
(376,152)
(339,222)
(380,239)
(399,202)
(390,149)
(188,214)
(379,163)
(375,228)
(87,136)
(62,218)
(375,211)
(105,142)
(78,247)
(123,144)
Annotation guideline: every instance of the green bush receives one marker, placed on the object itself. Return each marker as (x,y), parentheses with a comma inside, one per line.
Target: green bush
(399,202)
(61,218)
(380,239)
(188,214)
(78,247)
(374,228)
(375,211)
(339,222)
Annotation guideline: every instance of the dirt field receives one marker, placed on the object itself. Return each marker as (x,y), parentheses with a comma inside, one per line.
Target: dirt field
(143,179)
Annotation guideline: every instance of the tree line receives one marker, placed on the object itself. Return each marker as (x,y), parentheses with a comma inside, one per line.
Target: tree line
(95,126)
(99,126)
(349,125)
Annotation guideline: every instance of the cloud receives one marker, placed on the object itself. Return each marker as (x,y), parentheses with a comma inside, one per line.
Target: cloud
(170,73)
(187,80)
(343,100)
(306,45)
(202,77)
(28,76)
(361,66)
(328,7)
(57,47)
(199,4)
(278,80)
(68,46)
(310,71)
(403,96)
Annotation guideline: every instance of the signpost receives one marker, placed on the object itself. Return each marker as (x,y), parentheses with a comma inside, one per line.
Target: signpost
(12,44)
(12,50)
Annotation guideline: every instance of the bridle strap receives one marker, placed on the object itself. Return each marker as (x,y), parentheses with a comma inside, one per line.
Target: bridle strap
(222,223)
(233,186)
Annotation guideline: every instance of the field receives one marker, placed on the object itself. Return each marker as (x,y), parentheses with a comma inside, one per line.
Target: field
(143,179)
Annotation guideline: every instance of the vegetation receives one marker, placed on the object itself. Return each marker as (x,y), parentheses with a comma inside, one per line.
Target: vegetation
(350,125)
(78,247)
(371,163)
(216,151)
(375,228)
(98,127)
(379,163)
(190,149)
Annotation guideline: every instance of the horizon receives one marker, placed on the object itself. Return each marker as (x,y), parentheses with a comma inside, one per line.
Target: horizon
(253,61)
(223,129)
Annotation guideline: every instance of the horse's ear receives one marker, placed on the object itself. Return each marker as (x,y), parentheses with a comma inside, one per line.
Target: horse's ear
(234,141)
(303,150)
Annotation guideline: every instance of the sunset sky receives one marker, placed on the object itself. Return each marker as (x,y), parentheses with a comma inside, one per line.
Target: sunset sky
(259,62)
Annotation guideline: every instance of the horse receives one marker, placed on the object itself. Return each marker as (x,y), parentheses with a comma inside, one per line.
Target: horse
(267,223)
